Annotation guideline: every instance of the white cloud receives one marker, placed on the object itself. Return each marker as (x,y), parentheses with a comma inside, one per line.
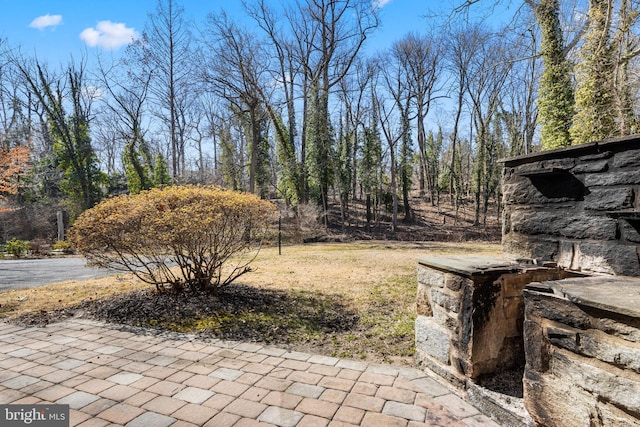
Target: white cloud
(44,21)
(379,4)
(109,35)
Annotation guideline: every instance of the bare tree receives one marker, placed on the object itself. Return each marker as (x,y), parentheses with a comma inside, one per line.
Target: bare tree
(394,116)
(356,105)
(127,99)
(165,52)
(70,131)
(422,56)
(626,50)
(14,114)
(236,74)
(518,108)
(459,56)
(330,36)
(489,67)
(285,71)
(109,143)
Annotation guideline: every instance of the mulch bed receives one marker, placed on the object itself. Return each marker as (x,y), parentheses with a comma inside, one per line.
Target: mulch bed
(305,320)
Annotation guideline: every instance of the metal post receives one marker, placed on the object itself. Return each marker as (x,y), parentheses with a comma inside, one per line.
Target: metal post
(279,235)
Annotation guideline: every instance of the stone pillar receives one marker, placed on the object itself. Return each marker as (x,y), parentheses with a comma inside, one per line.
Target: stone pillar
(578,207)
(467,325)
(470,314)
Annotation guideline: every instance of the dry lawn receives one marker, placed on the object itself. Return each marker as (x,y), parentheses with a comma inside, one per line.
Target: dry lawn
(345,299)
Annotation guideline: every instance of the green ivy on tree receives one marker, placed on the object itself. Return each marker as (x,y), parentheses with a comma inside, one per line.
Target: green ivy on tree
(82,181)
(138,167)
(161,177)
(555,102)
(595,110)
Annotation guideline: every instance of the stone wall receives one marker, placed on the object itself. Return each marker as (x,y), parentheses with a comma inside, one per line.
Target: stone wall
(576,207)
(582,342)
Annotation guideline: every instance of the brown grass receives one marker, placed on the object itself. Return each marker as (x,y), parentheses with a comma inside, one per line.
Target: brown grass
(371,284)
(349,269)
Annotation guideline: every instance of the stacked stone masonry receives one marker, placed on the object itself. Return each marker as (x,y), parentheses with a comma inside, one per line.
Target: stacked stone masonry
(564,298)
(583,352)
(470,314)
(577,207)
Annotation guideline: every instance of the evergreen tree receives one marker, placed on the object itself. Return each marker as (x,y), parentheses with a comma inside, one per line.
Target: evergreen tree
(161,177)
(370,165)
(230,168)
(343,168)
(288,176)
(320,149)
(263,160)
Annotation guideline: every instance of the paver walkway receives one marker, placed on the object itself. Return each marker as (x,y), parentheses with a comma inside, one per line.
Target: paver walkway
(113,377)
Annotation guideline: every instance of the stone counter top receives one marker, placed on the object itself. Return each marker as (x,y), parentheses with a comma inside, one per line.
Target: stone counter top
(617,294)
(470,265)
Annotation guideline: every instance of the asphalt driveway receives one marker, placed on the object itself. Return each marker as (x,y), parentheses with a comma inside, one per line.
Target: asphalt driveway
(28,273)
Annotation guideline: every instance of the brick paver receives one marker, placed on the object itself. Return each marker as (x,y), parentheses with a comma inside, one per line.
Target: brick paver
(111,377)
(317,407)
(351,415)
(151,419)
(195,414)
(78,400)
(194,395)
(120,413)
(164,405)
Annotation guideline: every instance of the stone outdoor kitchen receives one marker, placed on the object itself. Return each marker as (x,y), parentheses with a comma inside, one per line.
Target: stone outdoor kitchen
(550,334)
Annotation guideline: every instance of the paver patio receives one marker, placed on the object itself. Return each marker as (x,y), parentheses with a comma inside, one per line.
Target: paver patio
(112,376)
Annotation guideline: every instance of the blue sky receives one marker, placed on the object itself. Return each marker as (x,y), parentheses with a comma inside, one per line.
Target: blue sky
(55,30)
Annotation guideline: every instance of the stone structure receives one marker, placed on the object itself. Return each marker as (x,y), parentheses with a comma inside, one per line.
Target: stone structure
(459,332)
(578,207)
(563,298)
(583,352)
(470,314)
(470,318)
(575,206)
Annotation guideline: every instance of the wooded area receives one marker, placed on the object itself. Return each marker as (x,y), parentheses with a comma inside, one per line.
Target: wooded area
(296,106)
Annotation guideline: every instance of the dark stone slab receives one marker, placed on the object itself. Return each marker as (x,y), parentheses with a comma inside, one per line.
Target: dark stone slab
(609,198)
(515,245)
(630,231)
(618,259)
(470,265)
(614,294)
(627,159)
(580,151)
(546,305)
(591,167)
(597,156)
(563,222)
(620,177)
